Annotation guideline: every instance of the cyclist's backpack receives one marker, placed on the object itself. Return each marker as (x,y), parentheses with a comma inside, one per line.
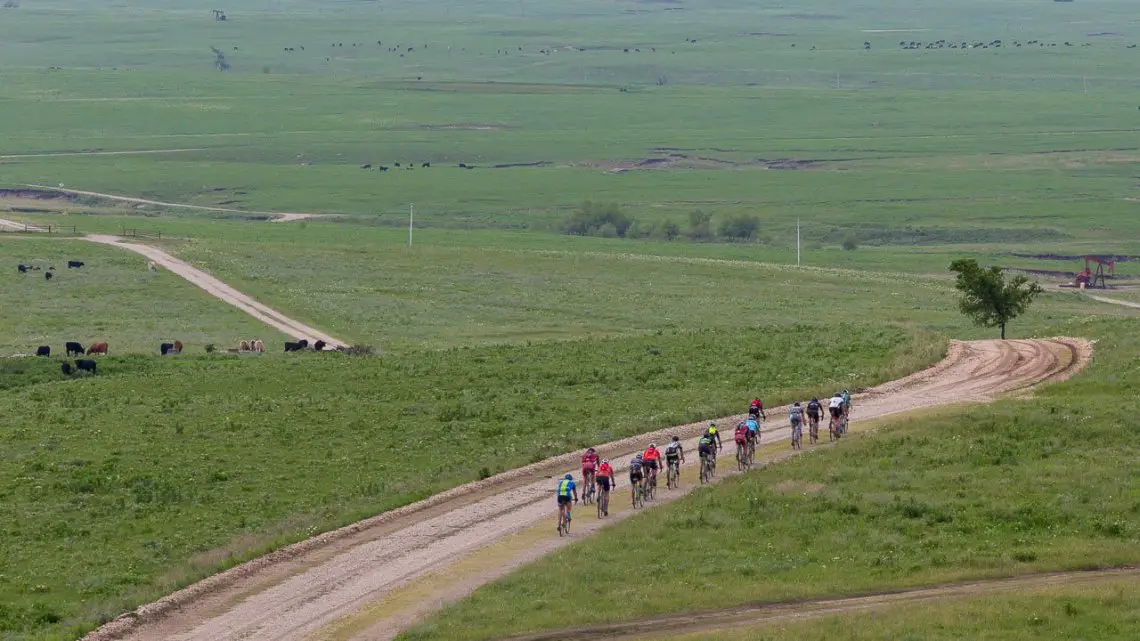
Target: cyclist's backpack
(814,407)
(671,449)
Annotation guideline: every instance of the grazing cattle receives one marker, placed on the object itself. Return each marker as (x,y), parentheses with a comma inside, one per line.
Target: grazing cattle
(382,168)
(298,346)
(86,365)
(258,346)
(151,266)
(463,165)
(97,348)
(22,268)
(43,350)
(425,165)
(177,347)
(397,164)
(165,348)
(319,346)
(74,263)
(73,348)
(47,275)
(243,346)
(65,367)
(366,166)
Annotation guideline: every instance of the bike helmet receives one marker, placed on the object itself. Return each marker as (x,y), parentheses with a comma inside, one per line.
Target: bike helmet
(590,450)
(815,399)
(676,438)
(638,456)
(797,403)
(605,461)
(569,477)
(652,446)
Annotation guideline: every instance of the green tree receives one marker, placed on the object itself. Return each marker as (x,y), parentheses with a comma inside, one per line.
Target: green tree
(987,298)
(700,225)
(851,243)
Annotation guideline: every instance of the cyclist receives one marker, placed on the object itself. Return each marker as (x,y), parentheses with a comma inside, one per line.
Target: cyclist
(741,437)
(756,409)
(846,408)
(814,409)
(605,480)
(715,435)
(636,471)
(706,448)
(652,458)
(566,489)
(589,464)
(835,406)
(796,416)
(675,455)
(753,433)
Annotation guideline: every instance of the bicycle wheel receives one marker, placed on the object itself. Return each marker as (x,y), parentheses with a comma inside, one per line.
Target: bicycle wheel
(653,488)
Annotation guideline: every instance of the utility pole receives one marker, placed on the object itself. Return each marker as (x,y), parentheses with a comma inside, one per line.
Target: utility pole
(797,242)
(411,219)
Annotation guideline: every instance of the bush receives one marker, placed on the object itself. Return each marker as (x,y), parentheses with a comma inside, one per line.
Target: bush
(607,230)
(210,348)
(740,227)
(666,230)
(700,227)
(850,243)
(588,219)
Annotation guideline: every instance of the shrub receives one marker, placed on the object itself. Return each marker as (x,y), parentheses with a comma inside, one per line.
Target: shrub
(740,227)
(850,243)
(666,230)
(211,348)
(590,217)
(607,230)
(700,227)
(357,350)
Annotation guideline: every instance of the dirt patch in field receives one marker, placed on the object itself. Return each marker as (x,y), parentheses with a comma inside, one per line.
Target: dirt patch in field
(540,163)
(811,16)
(680,161)
(467,126)
(36,195)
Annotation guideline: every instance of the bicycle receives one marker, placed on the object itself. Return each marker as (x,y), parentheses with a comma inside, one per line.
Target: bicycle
(833,429)
(564,521)
(813,429)
(673,475)
(603,503)
(706,469)
(651,486)
(743,460)
(797,436)
(639,494)
(588,492)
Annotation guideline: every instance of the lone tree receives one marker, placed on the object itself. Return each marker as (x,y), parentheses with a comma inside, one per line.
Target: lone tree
(987,298)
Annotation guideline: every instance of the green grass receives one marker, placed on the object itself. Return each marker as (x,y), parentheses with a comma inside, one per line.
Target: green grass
(112,299)
(1105,611)
(111,496)
(1020,486)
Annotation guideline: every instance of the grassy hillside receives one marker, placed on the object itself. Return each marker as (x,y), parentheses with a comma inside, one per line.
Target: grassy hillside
(119,488)
(1020,486)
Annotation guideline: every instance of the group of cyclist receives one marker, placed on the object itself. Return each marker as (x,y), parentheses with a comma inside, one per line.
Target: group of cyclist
(598,473)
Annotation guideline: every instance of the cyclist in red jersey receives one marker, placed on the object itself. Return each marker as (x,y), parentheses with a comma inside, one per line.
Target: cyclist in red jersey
(741,435)
(589,464)
(756,409)
(652,458)
(605,482)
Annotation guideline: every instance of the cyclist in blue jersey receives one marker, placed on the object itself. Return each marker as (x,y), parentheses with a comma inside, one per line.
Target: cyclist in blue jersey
(567,489)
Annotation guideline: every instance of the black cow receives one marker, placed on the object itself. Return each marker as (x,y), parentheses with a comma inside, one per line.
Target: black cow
(397,164)
(319,346)
(74,263)
(298,346)
(382,168)
(43,350)
(74,348)
(22,268)
(86,365)
(65,367)
(426,164)
(47,275)
(366,166)
(165,347)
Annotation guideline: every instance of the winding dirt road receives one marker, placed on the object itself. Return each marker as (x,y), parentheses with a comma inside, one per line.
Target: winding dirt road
(372,579)
(221,291)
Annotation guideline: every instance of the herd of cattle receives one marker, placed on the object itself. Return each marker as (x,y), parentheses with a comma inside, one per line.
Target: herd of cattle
(49,273)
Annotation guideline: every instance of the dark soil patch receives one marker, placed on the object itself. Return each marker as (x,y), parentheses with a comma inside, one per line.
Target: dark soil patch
(38,194)
(540,163)
(811,16)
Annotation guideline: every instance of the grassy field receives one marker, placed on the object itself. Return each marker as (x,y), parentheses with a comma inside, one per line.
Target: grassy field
(1021,486)
(112,497)
(1107,611)
(112,299)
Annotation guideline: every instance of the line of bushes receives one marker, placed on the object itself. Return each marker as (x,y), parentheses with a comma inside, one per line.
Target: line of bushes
(608,220)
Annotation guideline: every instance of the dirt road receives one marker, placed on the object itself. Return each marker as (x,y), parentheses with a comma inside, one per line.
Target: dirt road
(11,224)
(276,216)
(372,579)
(222,291)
